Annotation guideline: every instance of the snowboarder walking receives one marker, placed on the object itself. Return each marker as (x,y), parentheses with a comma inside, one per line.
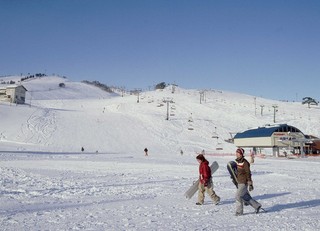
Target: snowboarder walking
(205,181)
(146,152)
(244,181)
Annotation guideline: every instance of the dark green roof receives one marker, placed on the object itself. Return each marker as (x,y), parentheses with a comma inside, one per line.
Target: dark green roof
(266,131)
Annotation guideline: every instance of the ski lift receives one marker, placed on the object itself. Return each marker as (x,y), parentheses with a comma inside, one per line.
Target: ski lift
(172,111)
(215,135)
(219,145)
(190,119)
(190,127)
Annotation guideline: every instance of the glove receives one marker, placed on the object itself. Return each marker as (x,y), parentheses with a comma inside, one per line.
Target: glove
(250,187)
(205,184)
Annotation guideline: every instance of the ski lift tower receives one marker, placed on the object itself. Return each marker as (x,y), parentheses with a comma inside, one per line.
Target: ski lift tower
(261,111)
(274,112)
(255,106)
(137,92)
(202,96)
(168,101)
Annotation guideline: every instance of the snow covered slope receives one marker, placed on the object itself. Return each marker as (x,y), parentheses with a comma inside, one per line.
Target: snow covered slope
(47,183)
(105,122)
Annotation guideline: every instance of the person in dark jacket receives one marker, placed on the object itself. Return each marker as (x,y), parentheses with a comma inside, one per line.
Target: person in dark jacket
(205,181)
(244,181)
(145,152)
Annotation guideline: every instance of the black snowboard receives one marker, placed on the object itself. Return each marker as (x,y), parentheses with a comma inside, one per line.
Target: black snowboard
(232,169)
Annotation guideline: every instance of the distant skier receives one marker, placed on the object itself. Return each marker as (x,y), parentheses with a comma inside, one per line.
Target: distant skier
(244,181)
(82,149)
(205,181)
(146,152)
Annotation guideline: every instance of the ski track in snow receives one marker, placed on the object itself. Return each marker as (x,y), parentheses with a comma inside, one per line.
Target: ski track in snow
(39,127)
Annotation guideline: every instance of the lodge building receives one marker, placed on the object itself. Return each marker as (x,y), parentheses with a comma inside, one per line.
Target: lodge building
(13,93)
(276,137)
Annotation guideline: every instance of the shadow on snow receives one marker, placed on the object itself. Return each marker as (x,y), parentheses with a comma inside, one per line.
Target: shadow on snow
(300,204)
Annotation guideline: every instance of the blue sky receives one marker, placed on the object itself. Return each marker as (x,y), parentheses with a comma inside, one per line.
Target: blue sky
(263,48)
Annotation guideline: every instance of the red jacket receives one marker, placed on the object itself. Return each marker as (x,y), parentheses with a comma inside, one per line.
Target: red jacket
(205,172)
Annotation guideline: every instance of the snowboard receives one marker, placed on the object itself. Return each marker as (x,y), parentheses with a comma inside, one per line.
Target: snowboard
(194,187)
(232,169)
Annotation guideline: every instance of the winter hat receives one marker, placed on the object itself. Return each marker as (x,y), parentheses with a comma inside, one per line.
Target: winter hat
(240,150)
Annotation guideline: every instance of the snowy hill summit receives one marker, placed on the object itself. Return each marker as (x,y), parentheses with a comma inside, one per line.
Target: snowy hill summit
(63,116)
(55,87)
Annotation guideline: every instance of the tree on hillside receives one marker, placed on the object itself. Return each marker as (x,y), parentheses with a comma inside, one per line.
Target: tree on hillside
(309,101)
(99,85)
(161,85)
(62,85)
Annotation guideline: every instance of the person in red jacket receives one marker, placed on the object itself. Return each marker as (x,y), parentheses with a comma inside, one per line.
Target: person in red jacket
(205,181)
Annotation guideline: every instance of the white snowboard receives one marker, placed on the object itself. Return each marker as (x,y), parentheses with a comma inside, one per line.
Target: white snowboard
(194,187)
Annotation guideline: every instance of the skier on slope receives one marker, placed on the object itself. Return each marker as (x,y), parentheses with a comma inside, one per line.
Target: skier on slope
(145,152)
(244,181)
(205,181)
